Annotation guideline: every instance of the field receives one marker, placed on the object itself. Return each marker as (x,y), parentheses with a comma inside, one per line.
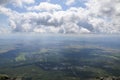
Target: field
(60,57)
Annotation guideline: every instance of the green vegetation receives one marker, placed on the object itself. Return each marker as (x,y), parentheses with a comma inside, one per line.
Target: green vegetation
(20,57)
(68,64)
(58,60)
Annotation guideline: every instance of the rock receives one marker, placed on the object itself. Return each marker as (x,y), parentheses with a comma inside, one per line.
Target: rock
(4,77)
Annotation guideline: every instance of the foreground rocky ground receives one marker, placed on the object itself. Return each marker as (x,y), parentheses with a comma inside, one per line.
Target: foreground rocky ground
(107,78)
(6,77)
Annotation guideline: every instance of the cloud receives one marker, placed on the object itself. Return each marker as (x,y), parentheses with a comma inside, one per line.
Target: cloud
(8,12)
(4,29)
(99,16)
(70,21)
(2,2)
(69,2)
(45,6)
(18,3)
(75,2)
(105,15)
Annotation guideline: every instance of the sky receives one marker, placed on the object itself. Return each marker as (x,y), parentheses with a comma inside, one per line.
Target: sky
(60,16)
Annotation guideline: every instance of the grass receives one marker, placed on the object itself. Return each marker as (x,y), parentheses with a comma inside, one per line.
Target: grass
(20,57)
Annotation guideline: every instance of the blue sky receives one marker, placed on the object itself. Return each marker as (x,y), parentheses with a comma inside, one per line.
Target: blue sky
(77,3)
(60,16)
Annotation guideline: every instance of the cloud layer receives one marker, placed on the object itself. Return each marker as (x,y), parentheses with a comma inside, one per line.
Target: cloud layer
(99,16)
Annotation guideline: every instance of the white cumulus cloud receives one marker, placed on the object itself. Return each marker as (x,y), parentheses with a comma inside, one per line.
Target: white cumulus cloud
(18,3)
(45,6)
(99,16)
(69,2)
(105,15)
